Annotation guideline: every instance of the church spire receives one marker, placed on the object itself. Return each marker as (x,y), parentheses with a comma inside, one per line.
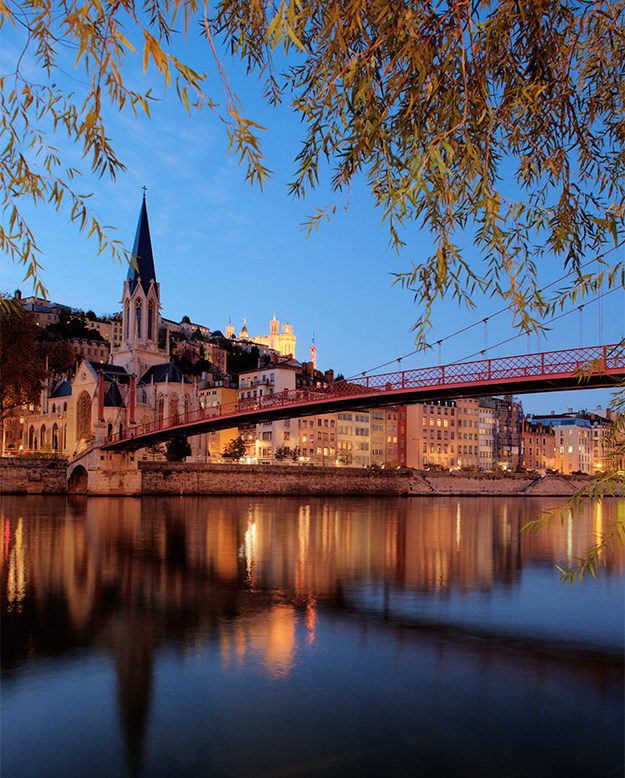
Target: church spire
(142,254)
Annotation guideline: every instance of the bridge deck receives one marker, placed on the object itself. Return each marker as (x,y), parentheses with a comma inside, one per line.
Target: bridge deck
(591,367)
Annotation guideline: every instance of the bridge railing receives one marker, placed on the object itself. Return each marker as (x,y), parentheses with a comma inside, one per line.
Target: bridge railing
(597,358)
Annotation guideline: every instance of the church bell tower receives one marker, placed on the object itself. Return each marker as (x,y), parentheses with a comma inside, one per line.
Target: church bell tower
(141,307)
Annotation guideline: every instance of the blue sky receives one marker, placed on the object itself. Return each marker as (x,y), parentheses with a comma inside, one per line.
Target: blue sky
(223,248)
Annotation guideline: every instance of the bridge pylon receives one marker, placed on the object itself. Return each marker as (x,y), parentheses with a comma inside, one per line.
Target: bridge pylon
(98,472)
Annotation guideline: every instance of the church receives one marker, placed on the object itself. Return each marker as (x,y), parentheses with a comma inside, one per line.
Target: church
(138,385)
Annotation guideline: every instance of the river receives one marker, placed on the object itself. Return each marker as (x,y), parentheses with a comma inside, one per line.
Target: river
(243,637)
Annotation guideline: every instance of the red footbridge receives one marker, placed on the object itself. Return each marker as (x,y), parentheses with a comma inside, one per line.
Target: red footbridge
(584,368)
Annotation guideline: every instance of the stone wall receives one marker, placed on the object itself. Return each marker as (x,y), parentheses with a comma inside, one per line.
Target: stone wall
(179,478)
(459,483)
(118,474)
(197,479)
(33,475)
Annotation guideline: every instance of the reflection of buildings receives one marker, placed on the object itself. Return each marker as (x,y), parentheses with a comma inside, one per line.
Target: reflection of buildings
(255,576)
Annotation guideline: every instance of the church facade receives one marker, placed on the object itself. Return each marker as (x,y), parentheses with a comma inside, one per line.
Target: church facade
(138,385)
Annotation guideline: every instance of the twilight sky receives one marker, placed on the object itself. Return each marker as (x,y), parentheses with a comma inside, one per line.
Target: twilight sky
(223,248)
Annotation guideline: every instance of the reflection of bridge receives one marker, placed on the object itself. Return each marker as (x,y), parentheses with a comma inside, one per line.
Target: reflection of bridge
(584,368)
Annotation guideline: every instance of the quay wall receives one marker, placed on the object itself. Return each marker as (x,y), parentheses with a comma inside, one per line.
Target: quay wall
(195,479)
(179,478)
(33,475)
(48,476)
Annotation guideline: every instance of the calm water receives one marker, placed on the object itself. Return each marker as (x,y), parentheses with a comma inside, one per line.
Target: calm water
(283,637)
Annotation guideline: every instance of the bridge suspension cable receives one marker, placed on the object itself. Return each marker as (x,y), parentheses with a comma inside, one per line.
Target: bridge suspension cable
(484,321)
(549,321)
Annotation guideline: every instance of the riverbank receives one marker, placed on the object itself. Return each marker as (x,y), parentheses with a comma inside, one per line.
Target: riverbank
(49,476)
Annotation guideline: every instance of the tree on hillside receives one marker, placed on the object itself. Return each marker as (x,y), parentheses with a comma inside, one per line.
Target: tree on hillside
(59,354)
(21,366)
(69,327)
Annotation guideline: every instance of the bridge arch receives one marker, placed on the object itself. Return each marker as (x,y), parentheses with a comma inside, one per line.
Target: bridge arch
(78,482)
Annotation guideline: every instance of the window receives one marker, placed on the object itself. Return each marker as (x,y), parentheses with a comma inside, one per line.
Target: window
(138,317)
(150,320)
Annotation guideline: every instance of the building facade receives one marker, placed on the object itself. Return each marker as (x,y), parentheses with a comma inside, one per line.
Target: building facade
(539,443)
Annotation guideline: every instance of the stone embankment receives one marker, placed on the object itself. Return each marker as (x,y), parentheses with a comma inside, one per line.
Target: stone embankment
(37,476)
(33,475)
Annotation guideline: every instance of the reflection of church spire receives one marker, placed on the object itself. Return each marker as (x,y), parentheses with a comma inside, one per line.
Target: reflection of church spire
(134,654)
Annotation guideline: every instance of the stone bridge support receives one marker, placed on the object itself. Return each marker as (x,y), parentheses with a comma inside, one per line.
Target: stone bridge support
(98,472)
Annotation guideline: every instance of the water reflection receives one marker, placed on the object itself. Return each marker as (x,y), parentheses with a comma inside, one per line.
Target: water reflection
(271,587)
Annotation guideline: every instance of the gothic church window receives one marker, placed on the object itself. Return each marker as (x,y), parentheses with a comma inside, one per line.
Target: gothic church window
(150,320)
(83,416)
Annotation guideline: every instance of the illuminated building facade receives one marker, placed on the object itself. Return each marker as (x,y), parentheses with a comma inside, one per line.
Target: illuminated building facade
(573,442)
(318,436)
(378,436)
(431,435)
(487,436)
(539,442)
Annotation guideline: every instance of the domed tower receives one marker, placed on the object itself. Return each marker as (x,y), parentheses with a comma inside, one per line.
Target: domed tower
(244,334)
(287,340)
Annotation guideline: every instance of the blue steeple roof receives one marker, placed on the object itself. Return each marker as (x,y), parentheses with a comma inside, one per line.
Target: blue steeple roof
(142,254)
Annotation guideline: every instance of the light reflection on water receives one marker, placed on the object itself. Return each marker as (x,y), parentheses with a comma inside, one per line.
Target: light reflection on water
(306,637)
